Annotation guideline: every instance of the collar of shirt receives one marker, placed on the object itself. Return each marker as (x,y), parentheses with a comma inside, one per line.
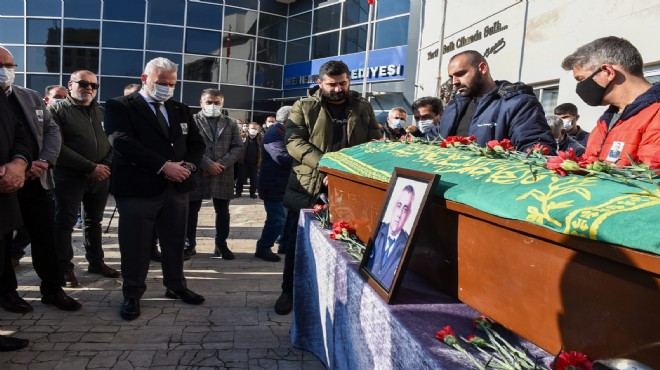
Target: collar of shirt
(9,90)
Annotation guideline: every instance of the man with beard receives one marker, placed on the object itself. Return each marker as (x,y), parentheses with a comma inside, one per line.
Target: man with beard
(492,110)
(331,118)
(82,174)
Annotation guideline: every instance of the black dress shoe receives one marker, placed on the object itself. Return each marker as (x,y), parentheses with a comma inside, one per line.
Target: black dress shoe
(284,303)
(12,344)
(223,250)
(267,255)
(188,252)
(61,301)
(103,269)
(12,302)
(130,309)
(185,295)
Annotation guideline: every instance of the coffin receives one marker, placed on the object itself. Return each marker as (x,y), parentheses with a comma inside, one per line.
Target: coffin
(550,285)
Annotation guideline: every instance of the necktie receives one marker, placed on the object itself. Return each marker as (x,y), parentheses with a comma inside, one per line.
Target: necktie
(390,246)
(161,118)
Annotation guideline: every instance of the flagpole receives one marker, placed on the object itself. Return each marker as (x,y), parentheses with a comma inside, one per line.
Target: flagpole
(366,53)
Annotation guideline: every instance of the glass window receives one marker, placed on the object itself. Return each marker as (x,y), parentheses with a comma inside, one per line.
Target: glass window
(250,4)
(43,31)
(39,82)
(327,19)
(270,51)
(238,46)
(354,40)
(192,92)
(300,26)
(355,11)
(203,42)
(300,6)
(297,51)
(272,26)
(164,38)
(19,57)
(13,7)
(123,35)
(19,80)
(389,8)
(393,32)
(325,2)
(237,72)
(44,8)
(240,20)
(11,31)
(237,97)
(547,95)
(274,7)
(112,87)
(294,93)
(176,58)
(198,68)
(325,45)
(268,76)
(82,9)
(204,16)
(124,10)
(41,59)
(166,12)
(121,62)
(81,33)
(78,58)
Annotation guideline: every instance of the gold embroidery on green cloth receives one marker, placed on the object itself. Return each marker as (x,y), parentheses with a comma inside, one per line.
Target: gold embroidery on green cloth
(354,166)
(585,222)
(557,189)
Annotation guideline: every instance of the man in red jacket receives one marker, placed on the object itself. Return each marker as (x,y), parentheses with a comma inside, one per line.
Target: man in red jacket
(610,72)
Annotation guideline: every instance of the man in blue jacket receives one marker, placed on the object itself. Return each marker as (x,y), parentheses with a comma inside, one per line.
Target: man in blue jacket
(492,110)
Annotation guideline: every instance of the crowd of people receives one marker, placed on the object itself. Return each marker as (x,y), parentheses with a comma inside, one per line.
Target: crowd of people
(64,154)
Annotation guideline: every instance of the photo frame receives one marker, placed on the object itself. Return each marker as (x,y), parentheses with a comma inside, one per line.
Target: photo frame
(389,249)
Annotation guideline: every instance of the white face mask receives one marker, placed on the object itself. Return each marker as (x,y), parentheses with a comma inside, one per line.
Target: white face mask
(211,110)
(270,124)
(396,123)
(252,132)
(7,76)
(161,93)
(568,124)
(425,125)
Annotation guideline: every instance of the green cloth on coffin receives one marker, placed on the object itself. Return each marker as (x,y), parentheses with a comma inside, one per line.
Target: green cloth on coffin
(589,207)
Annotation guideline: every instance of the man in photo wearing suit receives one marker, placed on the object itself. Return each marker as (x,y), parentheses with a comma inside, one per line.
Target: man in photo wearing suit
(157,149)
(391,240)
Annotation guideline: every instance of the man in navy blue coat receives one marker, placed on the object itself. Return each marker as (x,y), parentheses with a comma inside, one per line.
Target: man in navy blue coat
(492,110)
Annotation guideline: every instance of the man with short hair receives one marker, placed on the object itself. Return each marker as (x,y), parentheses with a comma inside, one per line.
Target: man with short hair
(82,174)
(492,110)
(270,121)
(55,94)
(131,88)
(427,112)
(568,112)
(610,71)
(250,160)
(396,123)
(331,118)
(158,147)
(564,141)
(35,197)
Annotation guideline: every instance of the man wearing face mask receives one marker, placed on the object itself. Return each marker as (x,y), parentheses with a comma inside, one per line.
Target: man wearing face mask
(250,160)
(564,141)
(216,178)
(427,112)
(492,110)
(55,94)
(270,121)
(396,122)
(610,71)
(82,174)
(569,114)
(158,147)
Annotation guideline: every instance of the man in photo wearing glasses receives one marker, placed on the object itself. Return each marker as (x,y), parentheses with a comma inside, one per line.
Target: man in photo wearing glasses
(82,174)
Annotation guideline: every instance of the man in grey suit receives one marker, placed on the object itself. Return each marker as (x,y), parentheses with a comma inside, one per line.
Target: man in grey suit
(35,198)
(391,240)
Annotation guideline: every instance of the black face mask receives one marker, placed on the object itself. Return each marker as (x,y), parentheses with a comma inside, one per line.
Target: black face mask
(590,91)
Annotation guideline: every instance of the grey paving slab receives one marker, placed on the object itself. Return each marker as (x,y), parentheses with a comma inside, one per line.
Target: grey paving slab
(236,328)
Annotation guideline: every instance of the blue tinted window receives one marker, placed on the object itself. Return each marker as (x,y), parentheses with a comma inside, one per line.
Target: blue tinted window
(192,91)
(166,11)
(297,51)
(389,8)
(237,97)
(204,16)
(274,7)
(41,8)
(164,38)
(198,68)
(122,62)
(326,19)
(354,40)
(262,102)
(238,46)
(237,72)
(43,31)
(39,82)
(294,93)
(79,58)
(203,42)
(19,57)
(355,11)
(272,26)
(268,76)
(325,45)
(176,58)
(82,9)
(240,20)
(300,26)
(251,4)
(393,32)
(124,10)
(11,31)
(12,7)
(112,87)
(40,59)
(123,35)
(19,80)
(270,51)
(300,6)
(81,33)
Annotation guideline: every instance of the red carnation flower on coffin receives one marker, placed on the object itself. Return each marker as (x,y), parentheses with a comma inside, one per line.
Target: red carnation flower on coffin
(571,361)
(504,145)
(446,335)
(457,141)
(539,148)
(338,227)
(564,162)
(333,236)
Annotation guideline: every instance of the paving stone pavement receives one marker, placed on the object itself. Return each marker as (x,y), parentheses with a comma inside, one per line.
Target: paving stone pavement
(236,328)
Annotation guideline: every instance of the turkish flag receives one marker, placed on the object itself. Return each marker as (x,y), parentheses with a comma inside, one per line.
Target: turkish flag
(371,2)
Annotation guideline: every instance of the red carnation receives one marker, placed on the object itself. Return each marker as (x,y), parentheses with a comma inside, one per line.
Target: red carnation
(446,335)
(571,361)
(483,319)
(333,236)
(564,162)
(318,208)
(492,144)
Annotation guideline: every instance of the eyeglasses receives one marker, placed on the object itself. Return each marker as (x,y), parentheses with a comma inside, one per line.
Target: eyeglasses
(85,84)
(9,65)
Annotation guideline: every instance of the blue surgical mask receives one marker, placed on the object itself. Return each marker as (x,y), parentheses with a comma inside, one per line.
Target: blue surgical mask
(425,125)
(396,123)
(161,93)
(7,76)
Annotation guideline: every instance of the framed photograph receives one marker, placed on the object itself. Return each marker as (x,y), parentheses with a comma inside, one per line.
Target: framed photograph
(390,248)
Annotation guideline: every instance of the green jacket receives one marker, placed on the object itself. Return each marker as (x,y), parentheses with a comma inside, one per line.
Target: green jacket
(84,142)
(309,133)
